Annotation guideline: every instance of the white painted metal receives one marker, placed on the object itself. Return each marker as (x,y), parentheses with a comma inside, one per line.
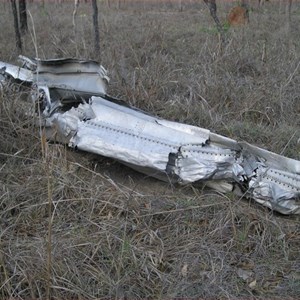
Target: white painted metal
(161,148)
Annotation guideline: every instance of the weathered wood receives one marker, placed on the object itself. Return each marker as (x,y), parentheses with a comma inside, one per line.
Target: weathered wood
(23,16)
(96,26)
(16,25)
(76,4)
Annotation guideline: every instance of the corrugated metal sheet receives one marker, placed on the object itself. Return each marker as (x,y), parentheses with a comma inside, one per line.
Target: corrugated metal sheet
(164,149)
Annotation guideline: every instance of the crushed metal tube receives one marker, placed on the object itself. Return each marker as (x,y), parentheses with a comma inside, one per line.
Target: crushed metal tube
(70,98)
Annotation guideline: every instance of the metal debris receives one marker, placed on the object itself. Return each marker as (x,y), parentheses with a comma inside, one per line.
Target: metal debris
(70,98)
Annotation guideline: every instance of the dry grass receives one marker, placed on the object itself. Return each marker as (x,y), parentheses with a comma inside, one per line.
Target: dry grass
(79,226)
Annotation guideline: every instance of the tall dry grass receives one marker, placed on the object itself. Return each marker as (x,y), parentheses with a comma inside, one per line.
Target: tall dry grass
(74,225)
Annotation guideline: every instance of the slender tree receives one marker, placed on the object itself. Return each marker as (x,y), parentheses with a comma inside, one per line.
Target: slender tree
(245,5)
(288,9)
(180,5)
(16,25)
(96,26)
(76,4)
(23,16)
(211,4)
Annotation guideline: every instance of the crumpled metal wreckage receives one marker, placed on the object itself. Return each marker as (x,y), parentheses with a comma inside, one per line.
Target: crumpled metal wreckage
(73,107)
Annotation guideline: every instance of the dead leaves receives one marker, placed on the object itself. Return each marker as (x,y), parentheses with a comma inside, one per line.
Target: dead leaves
(184,270)
(246,272)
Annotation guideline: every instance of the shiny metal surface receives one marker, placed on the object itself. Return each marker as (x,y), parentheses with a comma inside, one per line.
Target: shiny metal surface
(167,150)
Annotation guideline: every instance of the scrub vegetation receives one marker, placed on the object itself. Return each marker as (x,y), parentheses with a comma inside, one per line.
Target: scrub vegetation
(78,226)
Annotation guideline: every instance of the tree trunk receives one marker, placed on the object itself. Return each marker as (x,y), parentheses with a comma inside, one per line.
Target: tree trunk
(76,4)
(280,6)
(211,4)
(245,4)
(23,16)
(288,9)
(96,26)
(16,25)
(180,5)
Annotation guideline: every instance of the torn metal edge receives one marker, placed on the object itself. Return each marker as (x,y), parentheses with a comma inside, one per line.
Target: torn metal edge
(165,149)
